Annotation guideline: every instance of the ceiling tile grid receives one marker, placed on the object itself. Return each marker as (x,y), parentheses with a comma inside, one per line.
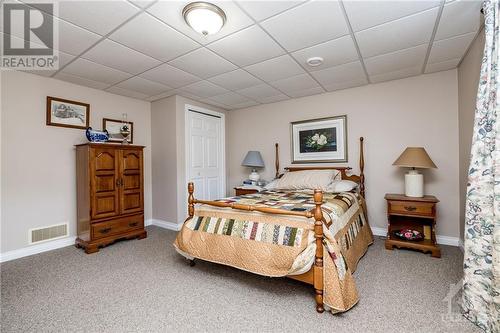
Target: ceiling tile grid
(144,48)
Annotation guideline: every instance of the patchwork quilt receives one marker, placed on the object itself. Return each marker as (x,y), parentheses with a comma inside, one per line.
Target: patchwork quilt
(281,245)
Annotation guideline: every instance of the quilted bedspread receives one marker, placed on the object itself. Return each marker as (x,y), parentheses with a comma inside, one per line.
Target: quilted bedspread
(281,245)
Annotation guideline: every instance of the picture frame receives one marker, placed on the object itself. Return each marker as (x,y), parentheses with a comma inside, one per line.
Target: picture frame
(322,140)
(67,113)
(113,127)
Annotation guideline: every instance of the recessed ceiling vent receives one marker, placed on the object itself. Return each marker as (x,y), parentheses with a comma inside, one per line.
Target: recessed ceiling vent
(52,232)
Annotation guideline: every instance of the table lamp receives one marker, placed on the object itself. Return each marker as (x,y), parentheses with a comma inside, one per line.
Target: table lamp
(414,157)
(253,160)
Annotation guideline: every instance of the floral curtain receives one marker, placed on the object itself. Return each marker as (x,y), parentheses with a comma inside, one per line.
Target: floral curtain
(481,289)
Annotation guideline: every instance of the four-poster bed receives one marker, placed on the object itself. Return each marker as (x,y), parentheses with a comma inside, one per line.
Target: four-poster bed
(203,236)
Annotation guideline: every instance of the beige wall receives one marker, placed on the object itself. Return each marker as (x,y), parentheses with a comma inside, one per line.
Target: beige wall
(38,161)
(417,111)
(169,187)
(468,80)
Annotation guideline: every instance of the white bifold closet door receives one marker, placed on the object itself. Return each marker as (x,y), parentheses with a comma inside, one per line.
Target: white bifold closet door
(205,160)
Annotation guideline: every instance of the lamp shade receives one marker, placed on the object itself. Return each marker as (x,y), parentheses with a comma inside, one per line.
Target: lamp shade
(415,157)
(253,159)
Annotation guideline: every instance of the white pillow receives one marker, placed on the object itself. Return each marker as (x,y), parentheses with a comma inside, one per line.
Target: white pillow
(341,186)
(271,185)
(306,179)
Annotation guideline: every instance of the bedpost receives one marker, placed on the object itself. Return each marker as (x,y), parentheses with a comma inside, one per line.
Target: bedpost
(277,161)
(191,199)
(318,260)
(361,167)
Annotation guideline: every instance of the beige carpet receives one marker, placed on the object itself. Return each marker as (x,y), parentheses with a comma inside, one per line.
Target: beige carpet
(144,285)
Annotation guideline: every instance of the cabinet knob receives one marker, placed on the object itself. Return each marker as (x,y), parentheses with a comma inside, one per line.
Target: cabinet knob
(105,230)
(133,224)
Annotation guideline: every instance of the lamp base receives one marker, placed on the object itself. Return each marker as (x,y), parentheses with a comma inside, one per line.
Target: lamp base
(254,176)
(414,184)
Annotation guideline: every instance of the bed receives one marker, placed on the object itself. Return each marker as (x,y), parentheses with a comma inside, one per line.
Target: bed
(312,236)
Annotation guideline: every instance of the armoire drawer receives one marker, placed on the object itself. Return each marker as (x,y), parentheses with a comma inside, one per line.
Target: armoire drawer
(117,226)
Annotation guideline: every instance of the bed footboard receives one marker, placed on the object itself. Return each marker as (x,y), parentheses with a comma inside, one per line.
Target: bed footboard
(316,213)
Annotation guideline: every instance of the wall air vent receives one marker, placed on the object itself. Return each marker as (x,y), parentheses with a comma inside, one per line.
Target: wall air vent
(38,235)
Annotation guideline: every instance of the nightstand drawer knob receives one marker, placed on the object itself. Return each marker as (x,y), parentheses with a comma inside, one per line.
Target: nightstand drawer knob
(410,208)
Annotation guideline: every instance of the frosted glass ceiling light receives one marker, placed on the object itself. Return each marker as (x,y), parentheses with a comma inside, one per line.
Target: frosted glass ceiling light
(205,18)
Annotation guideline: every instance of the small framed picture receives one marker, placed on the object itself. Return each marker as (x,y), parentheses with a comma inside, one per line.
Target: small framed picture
(319,140)
(66,113)
(114,128)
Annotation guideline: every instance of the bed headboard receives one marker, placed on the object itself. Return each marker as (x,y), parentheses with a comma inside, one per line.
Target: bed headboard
(360,179)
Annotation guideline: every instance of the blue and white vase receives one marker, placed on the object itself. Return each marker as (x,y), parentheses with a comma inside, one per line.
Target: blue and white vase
(96,136)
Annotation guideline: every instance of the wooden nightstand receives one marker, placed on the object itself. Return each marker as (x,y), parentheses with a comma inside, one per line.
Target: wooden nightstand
(243,191)
(413,213)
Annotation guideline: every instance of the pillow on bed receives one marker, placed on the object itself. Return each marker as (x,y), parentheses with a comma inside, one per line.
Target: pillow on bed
(272,185)
(342,186)
(306,179)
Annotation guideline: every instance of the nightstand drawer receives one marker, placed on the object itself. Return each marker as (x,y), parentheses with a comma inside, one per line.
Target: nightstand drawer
(243,191)
(411,208)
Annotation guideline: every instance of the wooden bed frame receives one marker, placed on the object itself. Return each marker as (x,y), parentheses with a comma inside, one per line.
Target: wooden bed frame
(314,276)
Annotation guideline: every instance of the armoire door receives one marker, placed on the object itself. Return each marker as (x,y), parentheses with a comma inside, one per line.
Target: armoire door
(131,192)
(104,182)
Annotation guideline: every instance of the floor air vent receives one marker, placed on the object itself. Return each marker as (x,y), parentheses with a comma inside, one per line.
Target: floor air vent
(48,233)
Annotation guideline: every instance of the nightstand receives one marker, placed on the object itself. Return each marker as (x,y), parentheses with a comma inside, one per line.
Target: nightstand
(243,191)
(412,213)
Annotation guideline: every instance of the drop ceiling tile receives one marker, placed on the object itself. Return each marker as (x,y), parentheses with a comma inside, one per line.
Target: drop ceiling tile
(127,93)
(442,66)
(386,63)
(276,69)
(100,17)
(396,35)
(81,81)
(203,89)
(260,91)
(143,86)
(450,48)
(273,99)
(142,3)
(120,57)
(243,105)
(459,17)
(160,96)
(295,83)
(366,14)
(235,80)
(398,74)
(307,92)
(308,24)
(210,102)
(229,98)
(335,52)
(346,84)
(260,10)
(196,63)
(96,72)
(247,47)
(343,73)
(164,44)
(169,76)
(170,12)
(74,40)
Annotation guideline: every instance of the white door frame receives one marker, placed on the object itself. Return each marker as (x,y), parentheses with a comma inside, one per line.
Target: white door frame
(222,148)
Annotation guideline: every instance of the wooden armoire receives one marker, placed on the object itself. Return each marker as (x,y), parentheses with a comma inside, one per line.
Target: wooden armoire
(110,194)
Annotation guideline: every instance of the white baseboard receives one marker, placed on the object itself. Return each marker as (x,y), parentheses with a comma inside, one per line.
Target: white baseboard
(39,248)
(445,240)
(166,225)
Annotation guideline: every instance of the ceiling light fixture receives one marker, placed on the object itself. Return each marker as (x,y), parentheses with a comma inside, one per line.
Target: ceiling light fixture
(205,18)
(314,61)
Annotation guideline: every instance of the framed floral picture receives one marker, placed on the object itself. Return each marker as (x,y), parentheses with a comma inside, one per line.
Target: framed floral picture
(67,113)
(319,140)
